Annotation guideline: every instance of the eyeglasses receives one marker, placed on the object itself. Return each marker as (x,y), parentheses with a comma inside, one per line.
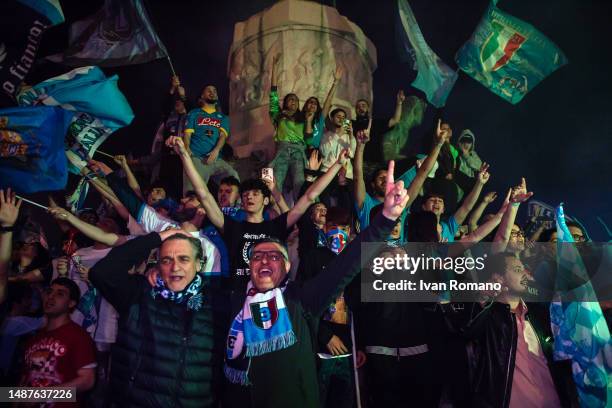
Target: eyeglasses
(577,238)
(274,256)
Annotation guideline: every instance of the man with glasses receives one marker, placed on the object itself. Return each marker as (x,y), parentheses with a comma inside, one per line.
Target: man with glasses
(270,355)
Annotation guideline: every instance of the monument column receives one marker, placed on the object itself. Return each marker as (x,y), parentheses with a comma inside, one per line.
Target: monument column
(311,39)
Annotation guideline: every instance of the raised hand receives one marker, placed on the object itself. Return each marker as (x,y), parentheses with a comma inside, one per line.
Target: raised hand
(99,167)
(400,98)
(176,82)
(441,133)
(520,193)
(490,197)
(396,197)
(271,183)
(363,136)
(176,143)
(483,174)
(121,160)
(315,160)
(9,208)
(349,128)
(62,266)
(338,73)
(343,158)
(83,272)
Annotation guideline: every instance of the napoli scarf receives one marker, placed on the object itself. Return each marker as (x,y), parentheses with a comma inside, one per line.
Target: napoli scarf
(262,326)
(191,296)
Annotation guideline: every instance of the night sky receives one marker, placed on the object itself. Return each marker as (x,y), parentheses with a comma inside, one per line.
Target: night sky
(559,137)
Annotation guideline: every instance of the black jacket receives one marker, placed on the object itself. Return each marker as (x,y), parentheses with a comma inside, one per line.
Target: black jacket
(492,352)
(165,354)
(288,378)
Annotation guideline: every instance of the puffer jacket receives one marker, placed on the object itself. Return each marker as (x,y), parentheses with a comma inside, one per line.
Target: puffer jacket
(165,355)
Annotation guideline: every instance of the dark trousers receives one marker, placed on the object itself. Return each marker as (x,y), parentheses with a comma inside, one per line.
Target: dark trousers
(337,383)
(401,381)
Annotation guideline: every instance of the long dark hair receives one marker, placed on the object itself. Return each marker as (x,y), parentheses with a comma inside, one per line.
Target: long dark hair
(298,116)
(318,112)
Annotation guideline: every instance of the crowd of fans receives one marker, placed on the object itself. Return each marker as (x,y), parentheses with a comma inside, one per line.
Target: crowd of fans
(174,296)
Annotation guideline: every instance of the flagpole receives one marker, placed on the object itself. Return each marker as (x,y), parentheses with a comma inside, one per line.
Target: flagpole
(355,372)
(105,154)
(170,63)
(32,202)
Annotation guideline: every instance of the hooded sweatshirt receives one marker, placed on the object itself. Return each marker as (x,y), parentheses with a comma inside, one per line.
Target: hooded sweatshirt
(469,163)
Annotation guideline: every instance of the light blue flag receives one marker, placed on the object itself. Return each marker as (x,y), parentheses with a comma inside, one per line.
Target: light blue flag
(434,77)
(508,55)
(51,9)
(101,109)
(579,327)
(32,148)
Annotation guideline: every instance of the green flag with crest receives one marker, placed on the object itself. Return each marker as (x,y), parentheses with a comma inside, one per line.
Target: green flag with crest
(508,55)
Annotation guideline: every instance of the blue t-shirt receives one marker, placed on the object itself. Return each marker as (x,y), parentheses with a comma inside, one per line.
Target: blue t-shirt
(370,202)
(205,129)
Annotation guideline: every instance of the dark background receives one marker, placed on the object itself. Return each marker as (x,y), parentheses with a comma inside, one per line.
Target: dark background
(559,137)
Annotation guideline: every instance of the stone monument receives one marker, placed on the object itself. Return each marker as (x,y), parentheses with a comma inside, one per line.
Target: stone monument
(312,39)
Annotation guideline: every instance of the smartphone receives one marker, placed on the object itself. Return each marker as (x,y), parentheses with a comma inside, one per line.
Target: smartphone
(267,173)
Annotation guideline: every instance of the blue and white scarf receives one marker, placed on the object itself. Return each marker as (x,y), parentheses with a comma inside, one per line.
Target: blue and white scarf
(262,326)
(190,296)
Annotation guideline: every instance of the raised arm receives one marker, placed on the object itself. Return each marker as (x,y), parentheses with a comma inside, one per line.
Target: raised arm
(318,292)
(415,187)
(470,201)
(485,229)
(9,210)
(106,192)
(213,212)
(477,213)
(131,179)
(359,190)
(519,195)
(120,188)
(277,198)
(274,106)
(315,190)
(110,274)
(397,115)
(332,91)
(89,230)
